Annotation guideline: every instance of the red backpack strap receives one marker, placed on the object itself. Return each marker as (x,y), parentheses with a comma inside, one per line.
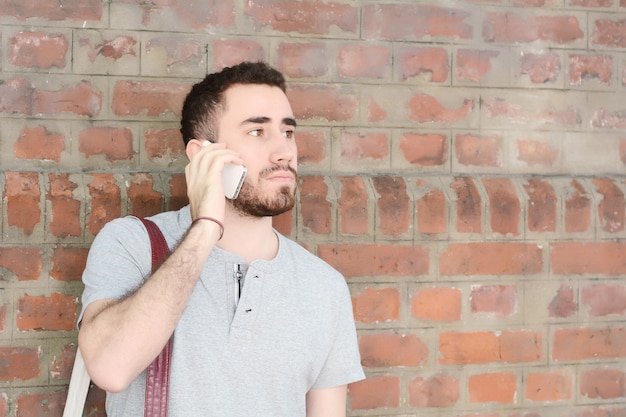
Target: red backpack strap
(157,374)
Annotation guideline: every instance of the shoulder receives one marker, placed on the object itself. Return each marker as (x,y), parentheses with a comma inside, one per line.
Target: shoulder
(309,264)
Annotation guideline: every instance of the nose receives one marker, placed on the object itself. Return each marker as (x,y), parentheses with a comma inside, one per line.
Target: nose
(283,149)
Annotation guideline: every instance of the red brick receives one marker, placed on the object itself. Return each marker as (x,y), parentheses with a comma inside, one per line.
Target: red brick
(605,119)
(492,388)
(312,146)
(586,343)
(95,402)
(22,195)
(3,318)
(591,3)
(376,260)
(164,144)
(516,28)
(26,263)
(303,16)
(315,209)
(177,192)
(515,114)
(145,201)
(38,50)
(283,223)
(577,216)
(356,147)
(302,59)
(41,405)
(77,10)
(499,300)
(80,99)
(488,347)
(150,97)
(440,304)
(603,383)
(40,144)
(178,50)
(541,68)
(62,362)
(228,52)
(574,258)
(115,144)
(504,206)
(57,312)
(202,15)
(376,305)
(437,391)
(393,205)
(375,392)
(16,96)
(534,152)
(432,212)
(468,206)
(115,48)
(414,61)
(622,148)
(68,263)
(364,61)
(487,258)
(582,67)
(375,113)
(548,387)
(474,64)
(65,210)
(564,302)
(607,32)
(604,299)
(388,350)
(542,205)
(105,201)
(428,149)
(611,210)
(19,363)
(482,151)
(424,108)
(412,21)
(353,206)
(328,102)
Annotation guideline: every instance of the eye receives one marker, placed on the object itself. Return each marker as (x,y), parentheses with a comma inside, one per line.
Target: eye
(256,132)
(289,134)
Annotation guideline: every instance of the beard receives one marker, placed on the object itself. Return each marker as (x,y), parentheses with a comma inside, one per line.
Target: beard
(251,203)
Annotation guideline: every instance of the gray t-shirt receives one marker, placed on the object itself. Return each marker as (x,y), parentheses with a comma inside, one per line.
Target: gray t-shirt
(254,353)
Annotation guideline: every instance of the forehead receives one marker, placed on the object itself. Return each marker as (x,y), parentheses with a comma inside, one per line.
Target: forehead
(256,100)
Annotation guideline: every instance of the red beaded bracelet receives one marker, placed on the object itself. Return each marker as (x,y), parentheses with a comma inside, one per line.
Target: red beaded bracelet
(219,223)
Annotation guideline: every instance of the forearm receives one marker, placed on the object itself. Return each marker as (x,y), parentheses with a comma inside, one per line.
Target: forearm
(120,338)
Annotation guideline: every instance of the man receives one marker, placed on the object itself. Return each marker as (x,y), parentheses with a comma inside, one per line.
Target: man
(260,326)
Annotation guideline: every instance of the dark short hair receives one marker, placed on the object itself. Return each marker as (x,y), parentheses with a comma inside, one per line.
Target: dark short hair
(205,101)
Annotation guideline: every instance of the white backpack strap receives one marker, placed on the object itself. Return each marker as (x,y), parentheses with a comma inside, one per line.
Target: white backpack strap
(77,391)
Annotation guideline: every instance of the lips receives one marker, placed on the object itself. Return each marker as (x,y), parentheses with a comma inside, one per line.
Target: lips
(284,176)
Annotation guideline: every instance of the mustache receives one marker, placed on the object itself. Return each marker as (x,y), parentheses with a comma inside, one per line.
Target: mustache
(271,170)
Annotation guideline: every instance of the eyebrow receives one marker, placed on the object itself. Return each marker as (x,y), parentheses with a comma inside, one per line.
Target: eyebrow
(290,121)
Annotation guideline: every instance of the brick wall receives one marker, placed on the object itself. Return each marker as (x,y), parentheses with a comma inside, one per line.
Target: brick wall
(462,164)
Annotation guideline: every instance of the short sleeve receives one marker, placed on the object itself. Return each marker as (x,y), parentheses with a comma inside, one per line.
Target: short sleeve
(119,261)
(343,365)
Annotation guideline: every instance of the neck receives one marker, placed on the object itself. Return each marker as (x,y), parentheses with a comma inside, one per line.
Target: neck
(250,237)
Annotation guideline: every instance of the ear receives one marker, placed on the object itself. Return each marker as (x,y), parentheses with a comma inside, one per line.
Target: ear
(193,146)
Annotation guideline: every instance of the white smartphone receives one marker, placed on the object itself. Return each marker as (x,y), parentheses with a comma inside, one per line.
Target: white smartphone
(232,179)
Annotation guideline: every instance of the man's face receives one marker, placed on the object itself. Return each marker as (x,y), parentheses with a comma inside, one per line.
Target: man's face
(258,123)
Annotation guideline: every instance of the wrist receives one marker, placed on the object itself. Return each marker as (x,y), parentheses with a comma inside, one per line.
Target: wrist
(210,219)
